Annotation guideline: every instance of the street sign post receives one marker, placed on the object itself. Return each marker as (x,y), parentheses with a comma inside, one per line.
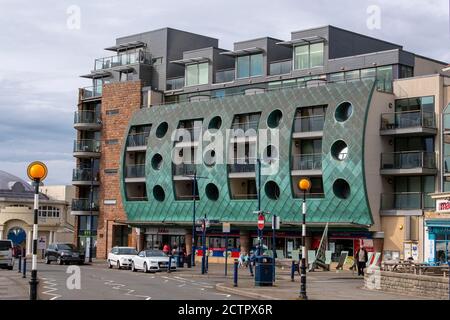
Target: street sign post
(226,228)
(275,226)
(261,221)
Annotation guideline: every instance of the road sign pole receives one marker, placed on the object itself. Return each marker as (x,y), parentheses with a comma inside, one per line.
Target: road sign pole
(226,254)
(274,224)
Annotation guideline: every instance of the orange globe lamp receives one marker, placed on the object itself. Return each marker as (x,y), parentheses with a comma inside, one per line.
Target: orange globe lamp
(37,171)
(304,184)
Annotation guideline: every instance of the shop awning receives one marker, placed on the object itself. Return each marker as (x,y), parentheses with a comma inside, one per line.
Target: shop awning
(306,40)
(243,52)
(127,46)
(190,60)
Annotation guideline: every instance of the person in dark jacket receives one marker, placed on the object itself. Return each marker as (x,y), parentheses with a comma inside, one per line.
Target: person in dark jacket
(361,258)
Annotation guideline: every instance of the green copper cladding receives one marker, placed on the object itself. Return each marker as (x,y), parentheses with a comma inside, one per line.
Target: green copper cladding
(354,209)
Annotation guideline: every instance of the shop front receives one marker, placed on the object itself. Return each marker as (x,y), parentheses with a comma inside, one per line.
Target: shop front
(157,237)
(438,244)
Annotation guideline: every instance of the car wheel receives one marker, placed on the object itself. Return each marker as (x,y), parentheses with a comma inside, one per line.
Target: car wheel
(132,267)
(47,260)
(59,261)
(118,265)
(109,264)
(145,267)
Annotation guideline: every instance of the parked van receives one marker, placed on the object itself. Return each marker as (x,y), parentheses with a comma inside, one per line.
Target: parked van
(6,254)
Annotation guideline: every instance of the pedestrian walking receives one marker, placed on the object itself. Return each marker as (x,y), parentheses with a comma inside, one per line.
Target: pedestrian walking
(166,249)
(361,258)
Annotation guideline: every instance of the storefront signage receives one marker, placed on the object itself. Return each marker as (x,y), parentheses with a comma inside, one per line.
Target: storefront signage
(162,230)
(443,205)
(226,227)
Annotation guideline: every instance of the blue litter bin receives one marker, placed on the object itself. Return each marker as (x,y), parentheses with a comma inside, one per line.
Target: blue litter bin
(263,271)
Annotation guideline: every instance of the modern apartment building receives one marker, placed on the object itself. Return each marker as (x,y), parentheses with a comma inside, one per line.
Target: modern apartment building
(174,124)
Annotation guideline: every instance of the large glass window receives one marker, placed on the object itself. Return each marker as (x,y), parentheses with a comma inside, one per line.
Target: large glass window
(250,66)
(308,56)
(384,77)
(197,74)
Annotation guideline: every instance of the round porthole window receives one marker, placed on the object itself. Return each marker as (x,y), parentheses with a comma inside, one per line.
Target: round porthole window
(274,119)
(341,189)
(157,161)
(161,130)
(158,193)
(212,192)
(339,150)
(272,190)
(343,111)
(215,123)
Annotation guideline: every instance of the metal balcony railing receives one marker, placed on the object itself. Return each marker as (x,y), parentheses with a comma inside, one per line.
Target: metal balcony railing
(245,196)
(86,116)
(183,169)
(86,146)
(408,119)
(137,139)
(135,171)
(309,123)
(83,205)
(245,125)
(242,165)
(92,92)
(186,197)
(307,161)
(84,174)
(408,160)
(137,198)
(123,59)
(405,201)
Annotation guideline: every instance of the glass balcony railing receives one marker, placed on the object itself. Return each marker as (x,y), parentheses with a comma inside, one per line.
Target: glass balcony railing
(138,139)
(92,92)
(280,67)
(84,174)
(447,165)
(123,59)
(188,134)
(135,171)
(225,76)
(408,119)
(175,83)
(402,201)
(309,123)
(307,162)
(408,160)
(86,117)
(86,146)
(242,165)
(84,205)
(245,125)
(183,169)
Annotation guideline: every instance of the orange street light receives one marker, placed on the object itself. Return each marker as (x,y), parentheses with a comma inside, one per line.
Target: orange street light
(304,184)
(37,171)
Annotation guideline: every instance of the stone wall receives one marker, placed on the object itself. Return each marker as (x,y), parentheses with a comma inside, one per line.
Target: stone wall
(409,284)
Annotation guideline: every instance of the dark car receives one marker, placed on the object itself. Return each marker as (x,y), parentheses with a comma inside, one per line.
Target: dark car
(63,253)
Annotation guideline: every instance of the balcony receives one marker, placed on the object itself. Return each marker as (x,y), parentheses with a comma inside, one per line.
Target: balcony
(223,76)
(446,168)
(86,149)
(183,169)
(175,83)
(245,125)
(84,177)
(187,136)
(135,173)
(94,92)
(242,168)
(307,165)
(404,202)
(280,67)
(87,120)
(408,163)
(82,207)
(408,123)
(123,59)
(308,127)
(244,196)
(137,141)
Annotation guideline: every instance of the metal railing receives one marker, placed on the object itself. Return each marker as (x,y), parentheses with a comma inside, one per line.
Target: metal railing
(245,125)
(224,76)
(244,196)
(408,160)
(407,119)
(186,197)
(86,116)
(137,198)
(86,146)
(309,123)
(83,205)
(183,169)
(307,161)
(134,170)
(311,195)
(175,83)
(137,139)
(188,134)
(84,174)
(92,92)
(405,201)
(241,165)
(123,59)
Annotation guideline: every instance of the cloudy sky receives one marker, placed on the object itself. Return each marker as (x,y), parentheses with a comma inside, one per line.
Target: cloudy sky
(41,58)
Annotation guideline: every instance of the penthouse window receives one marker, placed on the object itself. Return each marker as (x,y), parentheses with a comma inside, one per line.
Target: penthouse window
(197,74)
(308,56)
(250,65)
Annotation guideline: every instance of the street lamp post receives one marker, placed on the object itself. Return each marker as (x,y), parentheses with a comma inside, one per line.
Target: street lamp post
(91,200)
(260,232)
(37,171)
(304,185)
(194,184)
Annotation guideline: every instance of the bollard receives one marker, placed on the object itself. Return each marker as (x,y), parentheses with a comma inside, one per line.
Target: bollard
(250,267)
(20,264)
(292,270)
(170,264)
(24,269)
(236,265)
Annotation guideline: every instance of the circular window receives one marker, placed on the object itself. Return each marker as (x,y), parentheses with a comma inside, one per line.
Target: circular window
(215,123)
(157,161)
(341,189)
(343,111)
(158,193)
(210,158)
(274,118)
(339,150)
(162,130)
(212,192)
(270,153)
(272,190)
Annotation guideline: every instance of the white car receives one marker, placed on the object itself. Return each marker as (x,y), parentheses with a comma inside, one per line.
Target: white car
(121,257)
(6,254)
(152,261)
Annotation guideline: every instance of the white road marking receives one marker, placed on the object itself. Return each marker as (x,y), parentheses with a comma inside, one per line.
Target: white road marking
(119,286)
(50,285)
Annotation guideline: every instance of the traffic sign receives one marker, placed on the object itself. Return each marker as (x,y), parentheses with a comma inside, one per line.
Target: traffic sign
(275,222)
(226,227)
(261,222)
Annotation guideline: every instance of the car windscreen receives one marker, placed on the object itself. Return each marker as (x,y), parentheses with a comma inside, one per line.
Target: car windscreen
(5,245)
(129,251)
(154,253)
(66,246)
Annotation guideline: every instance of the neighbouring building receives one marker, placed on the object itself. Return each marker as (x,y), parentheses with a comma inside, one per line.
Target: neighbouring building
(356,115)
(56,224)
